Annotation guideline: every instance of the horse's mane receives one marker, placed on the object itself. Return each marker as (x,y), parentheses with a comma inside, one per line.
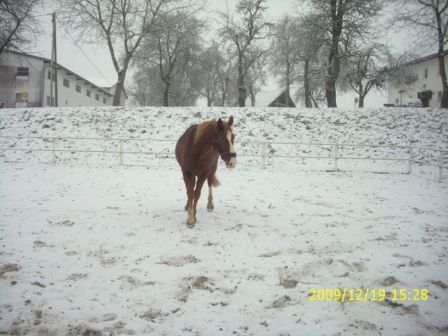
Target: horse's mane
(204,131)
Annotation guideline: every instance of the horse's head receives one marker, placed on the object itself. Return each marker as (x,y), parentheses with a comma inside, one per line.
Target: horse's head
(223,138)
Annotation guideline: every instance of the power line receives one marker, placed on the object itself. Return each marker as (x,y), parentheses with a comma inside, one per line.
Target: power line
(87,57)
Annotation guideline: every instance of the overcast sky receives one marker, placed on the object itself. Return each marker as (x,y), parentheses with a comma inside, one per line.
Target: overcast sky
(94,63)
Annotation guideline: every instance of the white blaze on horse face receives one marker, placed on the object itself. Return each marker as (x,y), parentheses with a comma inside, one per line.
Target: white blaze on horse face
(232,162)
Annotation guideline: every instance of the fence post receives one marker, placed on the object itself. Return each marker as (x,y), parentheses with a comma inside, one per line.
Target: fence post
(263,155)
(53,151)
(336,156)
(411,160)
(440,166)
(121,152)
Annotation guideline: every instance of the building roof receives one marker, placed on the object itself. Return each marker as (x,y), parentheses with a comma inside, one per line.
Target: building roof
(425,58)
(69,72)
(283,100)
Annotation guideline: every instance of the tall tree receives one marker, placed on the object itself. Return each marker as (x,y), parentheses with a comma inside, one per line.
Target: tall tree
(173,48)
(245,30)
(286,56)
(345,21)
(120,24)
(256,78)
(17,23)
(430,20)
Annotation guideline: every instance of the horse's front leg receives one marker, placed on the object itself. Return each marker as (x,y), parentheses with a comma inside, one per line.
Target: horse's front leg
(197,193)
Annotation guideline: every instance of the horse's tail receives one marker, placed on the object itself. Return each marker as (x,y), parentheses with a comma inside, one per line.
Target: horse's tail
(215,181)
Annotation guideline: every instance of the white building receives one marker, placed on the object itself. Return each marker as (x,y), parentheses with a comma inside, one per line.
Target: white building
(25,81)
(425,85)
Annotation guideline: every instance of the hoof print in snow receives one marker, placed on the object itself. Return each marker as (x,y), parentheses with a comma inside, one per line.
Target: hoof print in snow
(65,222)
(288,283)
(439,283)
(76,276)
(39,244)
(152,315)
(8,268)
(84,331)
(179,261)
(388,281)
(190,283)
(134,283)
(281,302)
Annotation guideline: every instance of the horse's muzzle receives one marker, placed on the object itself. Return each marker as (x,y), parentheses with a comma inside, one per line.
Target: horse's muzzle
(229,158)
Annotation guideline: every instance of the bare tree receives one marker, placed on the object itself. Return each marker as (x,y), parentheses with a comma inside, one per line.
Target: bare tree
(245,30)
(370,67)
(311,38)
(344,21)
(17,23)
(173,48)
(210,60)
(256,78)
(121,24)
(227,73)
(430,19)
(285,59)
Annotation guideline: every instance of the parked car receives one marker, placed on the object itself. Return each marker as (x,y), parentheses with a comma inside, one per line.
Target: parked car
(410,102)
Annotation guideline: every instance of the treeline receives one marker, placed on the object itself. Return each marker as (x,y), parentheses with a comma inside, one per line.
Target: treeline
(177,56)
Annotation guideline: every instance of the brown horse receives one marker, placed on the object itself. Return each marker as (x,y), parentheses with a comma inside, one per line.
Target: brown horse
(197,152)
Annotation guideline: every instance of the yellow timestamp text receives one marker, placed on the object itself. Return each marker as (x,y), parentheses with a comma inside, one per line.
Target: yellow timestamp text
(368,294)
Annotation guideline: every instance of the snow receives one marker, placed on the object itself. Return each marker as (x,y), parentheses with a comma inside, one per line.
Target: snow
(103,249)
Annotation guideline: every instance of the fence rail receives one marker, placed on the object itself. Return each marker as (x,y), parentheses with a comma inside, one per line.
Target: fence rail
(263,153)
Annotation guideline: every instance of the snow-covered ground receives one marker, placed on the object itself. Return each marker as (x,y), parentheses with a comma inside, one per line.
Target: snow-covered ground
(89,247)
(100,251)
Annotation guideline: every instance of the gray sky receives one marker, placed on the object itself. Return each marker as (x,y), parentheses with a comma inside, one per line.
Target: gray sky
(94,63)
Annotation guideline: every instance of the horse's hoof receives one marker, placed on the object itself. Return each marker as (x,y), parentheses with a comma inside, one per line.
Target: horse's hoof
(210,209)
(191,222)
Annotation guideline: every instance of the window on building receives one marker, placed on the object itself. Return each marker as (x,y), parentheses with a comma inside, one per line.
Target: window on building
(88,93)
(104,101)
(49,75)
(78,88)
(97,97)
(426,73)
(439,95)
(23,72)
(397,101)
(66,82)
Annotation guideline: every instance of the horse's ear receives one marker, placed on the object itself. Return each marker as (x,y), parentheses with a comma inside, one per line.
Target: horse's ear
(220,124)
(230,122)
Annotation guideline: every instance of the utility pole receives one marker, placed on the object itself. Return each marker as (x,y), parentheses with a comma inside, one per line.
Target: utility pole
(54,66)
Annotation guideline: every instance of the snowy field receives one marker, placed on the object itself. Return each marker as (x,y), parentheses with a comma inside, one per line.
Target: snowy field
(105,251)
(91,247)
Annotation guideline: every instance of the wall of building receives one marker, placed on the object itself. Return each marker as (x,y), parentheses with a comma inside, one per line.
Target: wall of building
(29,87)
(431,82)
(34,89)
(68,96)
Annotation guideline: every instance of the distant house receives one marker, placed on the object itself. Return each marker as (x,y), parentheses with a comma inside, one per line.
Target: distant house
(283,100)
(25,81)
(425,84)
